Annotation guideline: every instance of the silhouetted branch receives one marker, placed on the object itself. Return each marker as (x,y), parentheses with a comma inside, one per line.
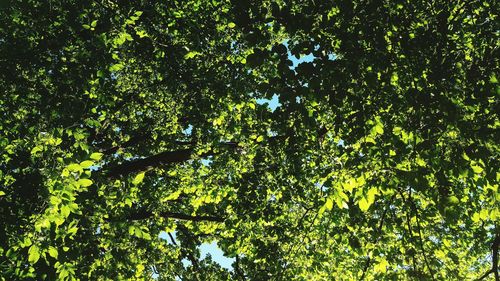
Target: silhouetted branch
(494,260)
(144,214)
(375,239)
(162,158)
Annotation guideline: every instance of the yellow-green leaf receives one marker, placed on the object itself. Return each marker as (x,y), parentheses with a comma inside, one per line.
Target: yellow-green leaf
(382,266)
(65,211)
(74,167)
(33,254)
(96,156)
(477,169)
(138,179)
(86,164)
(329,204)
(421,162)
(364,204)
(36,149)
(370,196)
(191,55)
(85,182)
(53,252)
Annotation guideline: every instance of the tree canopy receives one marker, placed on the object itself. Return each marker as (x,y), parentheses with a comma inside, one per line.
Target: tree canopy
(123,120)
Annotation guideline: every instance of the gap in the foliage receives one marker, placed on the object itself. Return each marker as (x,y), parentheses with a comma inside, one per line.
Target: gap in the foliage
(206,249)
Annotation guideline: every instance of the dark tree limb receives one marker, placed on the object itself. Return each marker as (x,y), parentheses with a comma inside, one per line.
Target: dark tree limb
(167,157)
(132,141)
(486,274)
(162,158)
(494,260)
(144,214)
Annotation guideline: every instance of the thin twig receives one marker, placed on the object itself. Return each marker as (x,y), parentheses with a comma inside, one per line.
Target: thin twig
(377,237)
(412,203)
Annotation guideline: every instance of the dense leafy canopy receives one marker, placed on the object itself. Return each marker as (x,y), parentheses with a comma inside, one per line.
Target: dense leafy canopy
(122,120)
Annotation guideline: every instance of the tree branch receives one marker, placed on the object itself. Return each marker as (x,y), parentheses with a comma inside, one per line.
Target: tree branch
(144,214)
(166,157)
(414,207)
(132,141)
(486,274)
(494,260)
(238,269)
(162,158)
(375,238)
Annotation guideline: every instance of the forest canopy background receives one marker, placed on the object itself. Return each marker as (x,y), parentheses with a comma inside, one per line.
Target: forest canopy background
(123,120)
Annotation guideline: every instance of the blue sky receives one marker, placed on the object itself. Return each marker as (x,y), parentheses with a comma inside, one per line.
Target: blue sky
(274,102)
(206,249)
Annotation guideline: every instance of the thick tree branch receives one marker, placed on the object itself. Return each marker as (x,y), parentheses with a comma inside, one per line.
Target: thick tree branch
(144,214)
(162,158)
(132,141)
(486,274)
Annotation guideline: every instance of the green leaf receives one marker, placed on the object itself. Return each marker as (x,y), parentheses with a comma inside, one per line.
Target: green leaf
(191,55)
(85,182)
(65,211)
(36,149)
(138,178)
(146,236)
(86,164)
(33,254)
(370,195)
(231,25)
(381,266)
(477,169)
(364,204)
(137,232)
(329,204)
(141,33)
(93,23)
(74,168)
(2,193)
(116,67)
(96,156)
(53,252)
(73,230)
(27,242)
